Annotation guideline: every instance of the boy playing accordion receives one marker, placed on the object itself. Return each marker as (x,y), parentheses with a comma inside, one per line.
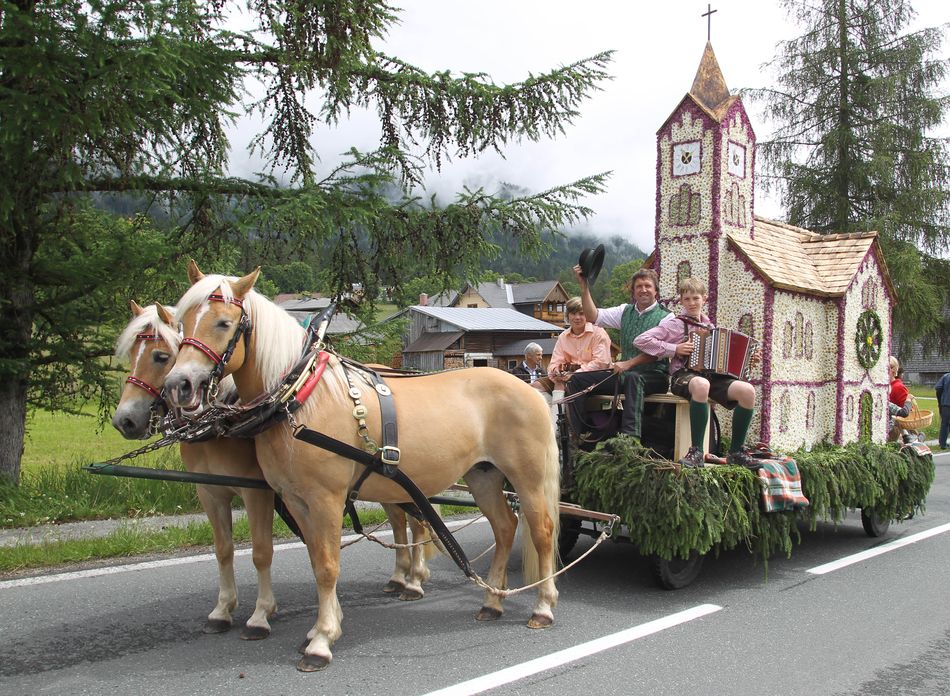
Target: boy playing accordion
(670,339)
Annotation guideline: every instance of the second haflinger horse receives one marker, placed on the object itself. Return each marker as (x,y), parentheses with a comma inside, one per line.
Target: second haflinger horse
(151,345)
(481,424)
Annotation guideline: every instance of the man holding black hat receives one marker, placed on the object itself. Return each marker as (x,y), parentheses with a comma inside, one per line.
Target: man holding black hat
(639,374)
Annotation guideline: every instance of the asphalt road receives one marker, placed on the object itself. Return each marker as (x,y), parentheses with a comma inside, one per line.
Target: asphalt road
(879,625)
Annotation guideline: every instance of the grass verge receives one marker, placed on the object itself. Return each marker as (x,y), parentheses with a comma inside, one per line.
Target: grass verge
(131,540)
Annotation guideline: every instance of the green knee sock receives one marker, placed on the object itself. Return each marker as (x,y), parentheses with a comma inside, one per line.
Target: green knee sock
(741,420)
(698,418)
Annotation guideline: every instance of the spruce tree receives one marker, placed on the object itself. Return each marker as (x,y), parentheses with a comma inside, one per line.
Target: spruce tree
(856,106)
(103,99)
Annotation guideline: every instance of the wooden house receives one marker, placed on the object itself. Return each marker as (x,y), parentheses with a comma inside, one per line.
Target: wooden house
(544,300)
(449,337)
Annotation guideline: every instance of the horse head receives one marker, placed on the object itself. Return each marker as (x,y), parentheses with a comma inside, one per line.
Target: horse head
(216,335)
(150,343)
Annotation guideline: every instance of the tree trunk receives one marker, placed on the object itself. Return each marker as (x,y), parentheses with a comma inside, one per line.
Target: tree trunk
(12,427)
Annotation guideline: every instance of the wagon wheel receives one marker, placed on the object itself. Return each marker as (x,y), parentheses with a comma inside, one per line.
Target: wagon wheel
(868,339)
(677,573)
(874,524)
(567,535)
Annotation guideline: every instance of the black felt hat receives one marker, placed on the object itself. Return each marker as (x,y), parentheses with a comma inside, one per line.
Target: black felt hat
(591,261)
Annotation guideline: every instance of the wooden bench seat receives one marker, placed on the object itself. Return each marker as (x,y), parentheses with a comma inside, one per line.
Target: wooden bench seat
(682,436)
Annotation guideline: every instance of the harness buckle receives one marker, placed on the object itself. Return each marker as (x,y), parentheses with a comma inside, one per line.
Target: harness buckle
(390,454)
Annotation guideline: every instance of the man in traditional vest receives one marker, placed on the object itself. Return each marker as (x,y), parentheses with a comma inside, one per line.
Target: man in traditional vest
(639,374)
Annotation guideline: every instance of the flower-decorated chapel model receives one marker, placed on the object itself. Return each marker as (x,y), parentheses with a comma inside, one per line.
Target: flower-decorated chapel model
(819,304)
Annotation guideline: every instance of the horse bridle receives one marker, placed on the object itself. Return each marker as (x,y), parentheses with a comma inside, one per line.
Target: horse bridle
(158,408)
(243,330)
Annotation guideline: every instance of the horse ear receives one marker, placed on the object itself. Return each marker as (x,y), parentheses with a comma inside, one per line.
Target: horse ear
(165,315)
(136,310)
(194,274)
(242,286)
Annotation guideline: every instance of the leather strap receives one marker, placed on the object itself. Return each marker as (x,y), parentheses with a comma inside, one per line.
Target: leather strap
(330,444)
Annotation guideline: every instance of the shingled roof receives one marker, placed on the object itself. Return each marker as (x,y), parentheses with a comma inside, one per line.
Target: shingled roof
(793,258)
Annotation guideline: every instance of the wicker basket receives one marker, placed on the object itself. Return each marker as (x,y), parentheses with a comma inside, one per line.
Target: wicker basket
(918,419)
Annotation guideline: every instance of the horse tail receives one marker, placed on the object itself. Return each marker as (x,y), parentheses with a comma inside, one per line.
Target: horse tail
(551,489)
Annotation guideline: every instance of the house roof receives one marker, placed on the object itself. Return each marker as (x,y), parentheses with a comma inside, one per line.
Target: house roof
(304,308)
(533,292)
(793,258)
(487,319)
(437,341)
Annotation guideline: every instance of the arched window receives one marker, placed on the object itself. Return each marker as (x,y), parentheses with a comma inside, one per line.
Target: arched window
(683,271)
(784,412)
(810,411)
(799,338)
(746,325)
(849,408)
(809,340)
(866,417)
(788,338)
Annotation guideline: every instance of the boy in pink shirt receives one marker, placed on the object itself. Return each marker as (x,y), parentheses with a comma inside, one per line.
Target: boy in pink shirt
(670,339)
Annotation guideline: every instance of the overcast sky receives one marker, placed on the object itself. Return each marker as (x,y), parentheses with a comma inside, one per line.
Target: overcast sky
(658,47)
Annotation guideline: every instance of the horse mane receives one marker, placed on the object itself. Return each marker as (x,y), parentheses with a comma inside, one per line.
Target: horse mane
(147,321)
(277,335)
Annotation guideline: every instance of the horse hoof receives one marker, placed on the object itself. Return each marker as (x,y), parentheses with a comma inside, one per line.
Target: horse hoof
(410,595)
(392,587)
(302,648)
(488,614)
(255,633)
(540,621)
(216,626)
(312,663)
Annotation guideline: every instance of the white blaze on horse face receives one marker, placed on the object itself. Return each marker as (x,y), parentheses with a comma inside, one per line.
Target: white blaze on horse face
(199,315)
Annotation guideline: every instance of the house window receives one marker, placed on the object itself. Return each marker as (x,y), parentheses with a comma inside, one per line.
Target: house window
(480,362)
(784,412)
(746,325)
(512,364)
(787,340)
(799,335)
(472,306)
(683,271)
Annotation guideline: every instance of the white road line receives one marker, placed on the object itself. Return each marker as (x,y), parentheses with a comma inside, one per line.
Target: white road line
(878,550)
(563,657)
(186,560)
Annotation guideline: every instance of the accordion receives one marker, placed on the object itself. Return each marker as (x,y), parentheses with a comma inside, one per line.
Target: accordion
(723,352)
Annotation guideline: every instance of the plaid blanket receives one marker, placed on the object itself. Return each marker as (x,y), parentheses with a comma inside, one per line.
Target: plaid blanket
(781,485)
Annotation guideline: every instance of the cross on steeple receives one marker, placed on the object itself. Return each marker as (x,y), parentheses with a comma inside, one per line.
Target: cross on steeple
(708,15)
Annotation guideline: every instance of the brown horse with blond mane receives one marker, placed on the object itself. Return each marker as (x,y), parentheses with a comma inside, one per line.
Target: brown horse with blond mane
(481,424)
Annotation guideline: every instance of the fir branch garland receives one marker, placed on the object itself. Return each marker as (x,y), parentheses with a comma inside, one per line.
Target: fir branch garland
(669,510)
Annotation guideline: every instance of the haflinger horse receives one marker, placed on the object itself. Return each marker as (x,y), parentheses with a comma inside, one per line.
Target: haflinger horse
(151,344)
(481,424)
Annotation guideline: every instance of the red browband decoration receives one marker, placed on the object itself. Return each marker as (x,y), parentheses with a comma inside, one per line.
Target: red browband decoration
(147,337)
(220,298)
(207,350)
(131,379)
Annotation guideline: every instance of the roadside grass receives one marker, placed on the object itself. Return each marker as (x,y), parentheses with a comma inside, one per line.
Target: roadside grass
(131,540)
(53,493)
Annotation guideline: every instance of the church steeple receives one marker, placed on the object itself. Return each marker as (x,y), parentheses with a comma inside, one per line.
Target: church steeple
(709,86)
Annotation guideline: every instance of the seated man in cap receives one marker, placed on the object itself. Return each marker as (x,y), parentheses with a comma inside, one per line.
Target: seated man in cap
(639,374)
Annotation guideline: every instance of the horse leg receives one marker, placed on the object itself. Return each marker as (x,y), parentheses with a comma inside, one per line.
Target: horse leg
(260,518)
(424,548)
(320,523)
(216,502)
(400,577)
(486,488)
